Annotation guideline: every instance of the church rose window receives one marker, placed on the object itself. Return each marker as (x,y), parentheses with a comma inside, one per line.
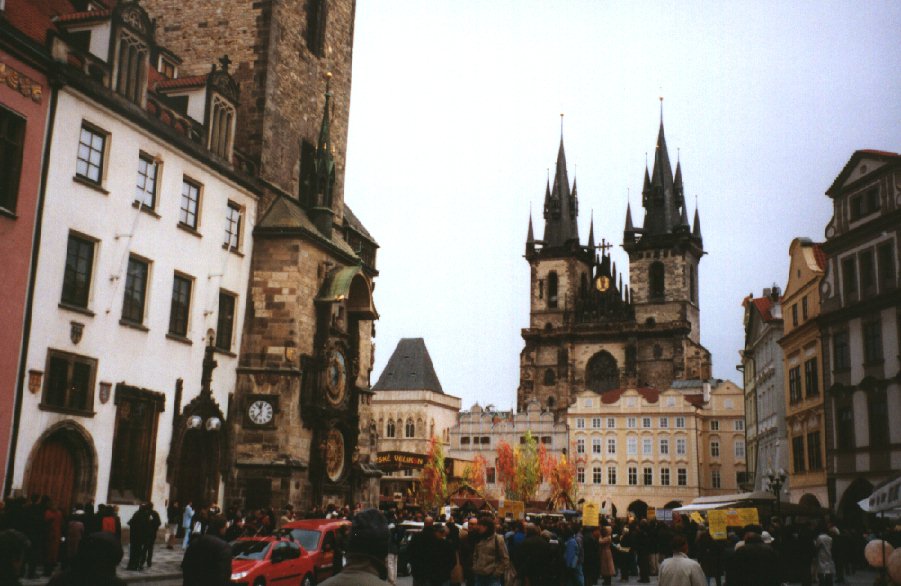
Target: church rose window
(602,372)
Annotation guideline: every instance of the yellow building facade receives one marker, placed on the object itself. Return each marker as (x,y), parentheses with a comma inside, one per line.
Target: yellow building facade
(643,448)
(803,359)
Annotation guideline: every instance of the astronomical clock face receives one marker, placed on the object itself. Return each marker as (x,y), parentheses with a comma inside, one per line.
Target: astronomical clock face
(260,412)
(336,378)
(334,455)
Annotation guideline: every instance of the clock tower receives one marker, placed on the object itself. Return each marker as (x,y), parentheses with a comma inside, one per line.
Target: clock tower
(590,331)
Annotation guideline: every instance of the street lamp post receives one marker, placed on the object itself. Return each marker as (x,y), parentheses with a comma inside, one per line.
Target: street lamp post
(776,480)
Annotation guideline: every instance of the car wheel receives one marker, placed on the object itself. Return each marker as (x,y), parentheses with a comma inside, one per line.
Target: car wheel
(259,582)
(307,581)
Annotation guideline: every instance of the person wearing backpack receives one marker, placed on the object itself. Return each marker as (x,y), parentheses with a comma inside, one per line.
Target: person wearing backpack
(489,558)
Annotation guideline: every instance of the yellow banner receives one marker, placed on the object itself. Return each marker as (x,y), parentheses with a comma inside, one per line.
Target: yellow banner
(590,515)
(716,521)
(697,518)
(512,509)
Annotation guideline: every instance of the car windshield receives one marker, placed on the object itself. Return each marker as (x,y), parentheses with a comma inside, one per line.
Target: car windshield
(308,539)
(250,549)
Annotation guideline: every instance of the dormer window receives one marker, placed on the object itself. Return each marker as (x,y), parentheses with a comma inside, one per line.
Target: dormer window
(131,67)
(167,68)
(222,124)
(864,204)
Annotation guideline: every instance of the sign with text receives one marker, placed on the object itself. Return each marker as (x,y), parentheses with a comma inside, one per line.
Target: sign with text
(590,515)
(512,509)
(400,461)
(719,520)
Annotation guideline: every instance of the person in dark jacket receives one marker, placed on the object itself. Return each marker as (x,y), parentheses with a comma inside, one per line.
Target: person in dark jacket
(208,559)
(367,546)
(13,549)
(149,540)
(532,558)
(137,538)
(95,564)
(753,564)
(709,554)
(591,565)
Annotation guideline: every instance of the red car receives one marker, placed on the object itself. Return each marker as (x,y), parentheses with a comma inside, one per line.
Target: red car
(317,537)
(260,561)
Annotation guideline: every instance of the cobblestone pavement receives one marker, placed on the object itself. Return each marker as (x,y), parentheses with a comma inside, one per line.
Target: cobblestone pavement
(165,569)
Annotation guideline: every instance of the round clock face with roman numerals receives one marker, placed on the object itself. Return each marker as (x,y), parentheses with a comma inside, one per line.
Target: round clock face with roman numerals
(260,412)
(334,455)
(336,378)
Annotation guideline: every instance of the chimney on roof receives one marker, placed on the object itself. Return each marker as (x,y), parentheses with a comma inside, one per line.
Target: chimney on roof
(706,390)
(767,291)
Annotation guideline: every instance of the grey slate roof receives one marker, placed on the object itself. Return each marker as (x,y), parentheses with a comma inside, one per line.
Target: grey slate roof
(409,369)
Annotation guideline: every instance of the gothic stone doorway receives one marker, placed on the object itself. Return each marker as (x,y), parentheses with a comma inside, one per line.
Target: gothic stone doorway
(198,463)
(63,466)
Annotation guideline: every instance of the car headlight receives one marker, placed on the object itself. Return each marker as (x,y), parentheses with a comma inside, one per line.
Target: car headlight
(239,575)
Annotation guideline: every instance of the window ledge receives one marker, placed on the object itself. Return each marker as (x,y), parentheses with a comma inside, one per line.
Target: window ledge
(235,251)
(8,213)
(68,411)
(179,338)
(76,309)
(225,352)
(133,325)
(189,230)
(88,183)
(147,210)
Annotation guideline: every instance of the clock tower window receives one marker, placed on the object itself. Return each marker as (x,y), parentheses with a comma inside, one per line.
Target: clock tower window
(656,285)
(552,290)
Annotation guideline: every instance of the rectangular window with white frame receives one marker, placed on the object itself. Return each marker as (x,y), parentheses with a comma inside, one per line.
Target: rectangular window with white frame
(611,475)
(664,477)
(664,446)
(78,272)
(611,446)
(180,309)
(632,446)
(225,323)
(596,445)
(681,446)
(680,423)
(189,208)
(739,449)
(136,283)
(145,187)
(92,149)
(234,223)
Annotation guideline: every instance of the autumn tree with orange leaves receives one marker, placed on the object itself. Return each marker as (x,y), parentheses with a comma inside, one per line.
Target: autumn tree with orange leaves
(474,473)
(560,473)
(434,479)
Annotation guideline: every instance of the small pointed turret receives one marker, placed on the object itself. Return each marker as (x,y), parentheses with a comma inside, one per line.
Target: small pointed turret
(646,188)
(629,230)
(530,239)
(324,171)
(678,190)
(696,230)
(591,233)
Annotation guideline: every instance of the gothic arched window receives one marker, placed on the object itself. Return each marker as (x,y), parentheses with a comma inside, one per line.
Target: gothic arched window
(552,289)
(409,429)
(549,377)
(551,402)
(389,429)
(602,372)
(656,280)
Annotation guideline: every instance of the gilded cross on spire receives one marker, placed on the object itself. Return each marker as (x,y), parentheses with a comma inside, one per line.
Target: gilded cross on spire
(604,246)
(224,61)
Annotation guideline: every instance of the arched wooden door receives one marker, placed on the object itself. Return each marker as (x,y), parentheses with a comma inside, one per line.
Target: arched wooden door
(54,472)
(198,478)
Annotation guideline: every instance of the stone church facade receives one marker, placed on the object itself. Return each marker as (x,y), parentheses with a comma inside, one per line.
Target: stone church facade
(590,331)
(303,376)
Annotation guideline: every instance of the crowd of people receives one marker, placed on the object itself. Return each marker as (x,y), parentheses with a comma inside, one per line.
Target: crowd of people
(473,549)
(551,551)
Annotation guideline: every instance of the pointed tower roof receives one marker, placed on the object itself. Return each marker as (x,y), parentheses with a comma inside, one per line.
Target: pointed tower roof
(591,233)
(409,369)
(530,238)
(696,230)
(561,206)
(629,226)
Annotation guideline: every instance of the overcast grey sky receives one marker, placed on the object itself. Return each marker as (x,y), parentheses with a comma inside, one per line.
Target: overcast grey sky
(455,119)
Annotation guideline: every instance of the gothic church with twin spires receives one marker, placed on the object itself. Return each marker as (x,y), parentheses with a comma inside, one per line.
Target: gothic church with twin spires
(590,331)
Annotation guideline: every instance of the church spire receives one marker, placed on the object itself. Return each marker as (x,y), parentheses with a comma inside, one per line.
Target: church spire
(530,238)
(629,231)
(560,206)
(659,196)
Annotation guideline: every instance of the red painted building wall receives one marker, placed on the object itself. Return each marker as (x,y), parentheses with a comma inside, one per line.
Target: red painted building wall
(25,92)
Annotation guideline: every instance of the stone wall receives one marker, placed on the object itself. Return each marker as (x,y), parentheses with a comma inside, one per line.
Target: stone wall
(282,82)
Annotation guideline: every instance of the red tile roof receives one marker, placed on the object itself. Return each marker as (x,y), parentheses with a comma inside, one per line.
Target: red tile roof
(820,256)
(695,400)
(85,16)
(182,82)
(764,305)
(650,394)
